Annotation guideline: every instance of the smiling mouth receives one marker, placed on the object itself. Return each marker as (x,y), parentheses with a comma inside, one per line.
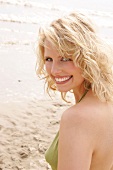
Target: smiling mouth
(62,80)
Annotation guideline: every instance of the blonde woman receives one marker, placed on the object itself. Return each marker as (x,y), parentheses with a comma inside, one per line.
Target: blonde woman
(73,58)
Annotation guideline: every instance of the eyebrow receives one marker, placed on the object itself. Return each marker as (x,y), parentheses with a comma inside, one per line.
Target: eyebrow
(51,57)
(47,56)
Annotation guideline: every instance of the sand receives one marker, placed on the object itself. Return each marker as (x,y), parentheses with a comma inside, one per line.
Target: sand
(28,119)
(26,130)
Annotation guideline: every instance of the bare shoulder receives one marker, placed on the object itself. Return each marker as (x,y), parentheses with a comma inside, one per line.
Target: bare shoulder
(83,129)
(87,116)
(76,137)
(79,115)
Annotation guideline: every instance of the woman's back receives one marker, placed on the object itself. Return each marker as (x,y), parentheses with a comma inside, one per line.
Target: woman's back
(100,116)
(103,155)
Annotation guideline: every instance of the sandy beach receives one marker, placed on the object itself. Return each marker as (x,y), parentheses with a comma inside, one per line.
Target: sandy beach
(26,129)
(29,119)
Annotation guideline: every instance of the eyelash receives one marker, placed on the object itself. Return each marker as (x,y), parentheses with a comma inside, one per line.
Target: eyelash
(62,59)
(48,59)
(66,59)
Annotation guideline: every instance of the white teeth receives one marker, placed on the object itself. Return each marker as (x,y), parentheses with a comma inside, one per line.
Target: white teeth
(62,79)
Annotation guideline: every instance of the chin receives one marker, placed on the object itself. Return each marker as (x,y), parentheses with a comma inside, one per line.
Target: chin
(63,90)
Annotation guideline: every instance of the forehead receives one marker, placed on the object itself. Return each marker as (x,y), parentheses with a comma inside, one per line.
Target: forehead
(48,45)
(49,49)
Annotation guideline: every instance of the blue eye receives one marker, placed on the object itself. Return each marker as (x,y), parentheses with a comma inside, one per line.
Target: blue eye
(66,59)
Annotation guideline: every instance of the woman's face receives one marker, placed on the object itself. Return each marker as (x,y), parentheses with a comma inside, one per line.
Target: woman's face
(66,75)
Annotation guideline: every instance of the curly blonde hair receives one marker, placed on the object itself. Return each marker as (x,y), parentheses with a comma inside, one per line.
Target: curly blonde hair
(74,35)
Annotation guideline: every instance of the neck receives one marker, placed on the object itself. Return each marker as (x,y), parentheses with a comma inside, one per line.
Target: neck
(82,96)
(79,94)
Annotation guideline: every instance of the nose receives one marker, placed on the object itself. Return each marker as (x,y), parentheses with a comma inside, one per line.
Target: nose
(56,68)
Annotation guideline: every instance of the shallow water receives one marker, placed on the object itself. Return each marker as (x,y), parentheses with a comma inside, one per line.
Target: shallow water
(19,23)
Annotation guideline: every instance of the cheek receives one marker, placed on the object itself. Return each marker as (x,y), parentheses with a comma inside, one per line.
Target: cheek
(73,68)
(78,72)
(48,68)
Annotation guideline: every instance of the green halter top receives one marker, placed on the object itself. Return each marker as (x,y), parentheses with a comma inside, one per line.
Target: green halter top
(51,154)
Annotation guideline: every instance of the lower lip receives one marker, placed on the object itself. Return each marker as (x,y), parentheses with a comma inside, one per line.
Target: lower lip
(63,82)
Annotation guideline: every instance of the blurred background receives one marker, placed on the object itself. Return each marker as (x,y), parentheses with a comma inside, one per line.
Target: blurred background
(19,23)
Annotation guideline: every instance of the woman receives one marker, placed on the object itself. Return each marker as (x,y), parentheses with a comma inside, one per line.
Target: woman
(73,58)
